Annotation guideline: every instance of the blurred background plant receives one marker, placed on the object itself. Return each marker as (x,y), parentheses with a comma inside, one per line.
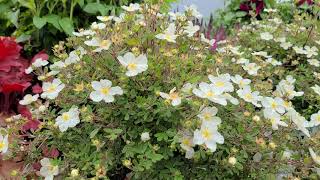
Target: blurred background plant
(42,23)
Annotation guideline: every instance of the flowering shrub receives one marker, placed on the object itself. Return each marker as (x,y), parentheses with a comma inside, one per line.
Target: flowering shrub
(142,95)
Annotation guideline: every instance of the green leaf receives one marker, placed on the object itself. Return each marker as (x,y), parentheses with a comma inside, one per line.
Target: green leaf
(54,20)
(29,4)
(39,22)
(13,17)
(23,37)
(67,25)
(94,8)
(94,132)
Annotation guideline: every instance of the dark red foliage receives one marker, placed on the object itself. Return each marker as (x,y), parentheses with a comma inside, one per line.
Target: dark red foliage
(51,153)
(309,2)
(42,54)
(36,89)
(247,6)
(31,125)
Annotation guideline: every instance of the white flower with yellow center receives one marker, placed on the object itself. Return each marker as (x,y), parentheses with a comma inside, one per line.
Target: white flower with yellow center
(314,156)
(169,34)
(275,119)
(134,65)
(186,143)
(316,89)
(172,96)
(105,18)
(222,82)
(240,81)
(314,62)
(28,99)
(315,120)
(191,29)
(266,36)
(208,41)
(4,143)
(102,44)
(251,68)
(247,95)
(209,91)
(311,51)
(104,91)
(68,119)
(98,26)
(285,45)
(300,122)
(51,89)
(209,136)
(274,104)
(48,170)
(132,7)
(208,115)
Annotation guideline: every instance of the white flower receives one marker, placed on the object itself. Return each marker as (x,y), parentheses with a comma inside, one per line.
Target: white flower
(242,61)
(134,65)
(299,50)
(273,104)
(235,50)
(68,119)
(169,34)
(145,136)
(187,144)
(191,29)
(240,81)
(39,62)
(208,115)
(28,99)
(261,53)
(275,119)
(222,82)
(104,91)
(281,39)
(315,120)
(232,161)
(285,45)
(314,156)
(193,10)
(316,89)
(270,10)
(97,42)
(208,41)
(177,15)
(84,33)
(209,91)
(314,62)
(120,18)
(247,95)
(251,68)
(105,18)
(285,88)
(187,88)
(4,143)
(266,36)
(28,70)
(131,7)
(230,98)
(48,170)
(51,89)
(56,67)
(311,51)
(318,42)
(172,96)
(98,26)
(209,136)
(299,121)
(72,58)
(273,62)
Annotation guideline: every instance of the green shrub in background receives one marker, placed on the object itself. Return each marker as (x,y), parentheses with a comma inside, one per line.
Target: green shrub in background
(45,22)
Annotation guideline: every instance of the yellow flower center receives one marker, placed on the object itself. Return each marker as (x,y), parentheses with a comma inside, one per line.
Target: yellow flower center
(318,118)
(173,96)
(105,90)
(220,84)
(52,88)
(167,37)
(207,116)
(1,145)
(186,142)
(132,66)
(210,94)
(104,43)
(273,105)
(248,96)
(65,117)
(273,120)
(206,134)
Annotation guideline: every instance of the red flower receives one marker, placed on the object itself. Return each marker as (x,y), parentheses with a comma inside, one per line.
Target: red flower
(247,6)
(9,49)
(309,2)
(36,89)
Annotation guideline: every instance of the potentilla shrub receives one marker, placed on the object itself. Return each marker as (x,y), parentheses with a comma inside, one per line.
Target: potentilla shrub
(142,96)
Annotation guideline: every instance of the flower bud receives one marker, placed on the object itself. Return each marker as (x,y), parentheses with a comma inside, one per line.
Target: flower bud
(232,161)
